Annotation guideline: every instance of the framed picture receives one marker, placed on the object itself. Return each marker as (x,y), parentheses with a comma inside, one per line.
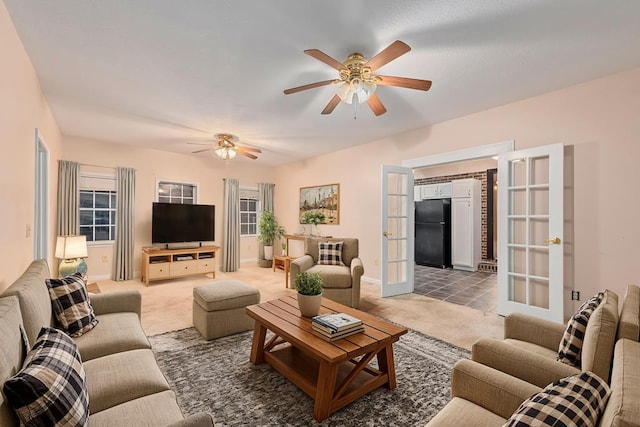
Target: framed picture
(324,199)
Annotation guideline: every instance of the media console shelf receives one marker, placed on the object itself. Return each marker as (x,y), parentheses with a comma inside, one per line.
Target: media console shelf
(160,264)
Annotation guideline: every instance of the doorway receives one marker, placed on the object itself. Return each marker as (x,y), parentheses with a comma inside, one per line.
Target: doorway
(477,289)
(41,205)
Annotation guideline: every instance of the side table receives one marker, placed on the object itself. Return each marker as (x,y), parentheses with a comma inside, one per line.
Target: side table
(283,262)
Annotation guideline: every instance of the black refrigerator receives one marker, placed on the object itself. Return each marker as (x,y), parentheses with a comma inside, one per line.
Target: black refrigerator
(433,233)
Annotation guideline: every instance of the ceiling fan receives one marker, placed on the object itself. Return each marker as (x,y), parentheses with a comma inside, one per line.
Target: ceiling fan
(357,82)
(227,149)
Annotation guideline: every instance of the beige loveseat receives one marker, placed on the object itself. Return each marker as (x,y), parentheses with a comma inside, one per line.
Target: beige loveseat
(125,385)
(530,346)
(341,283)
(485,397)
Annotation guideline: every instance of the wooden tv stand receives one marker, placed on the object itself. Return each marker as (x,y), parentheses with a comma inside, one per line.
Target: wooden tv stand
(162,264)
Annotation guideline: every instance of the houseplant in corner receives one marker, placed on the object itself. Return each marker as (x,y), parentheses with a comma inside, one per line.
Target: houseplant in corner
(268,231)
(309,287)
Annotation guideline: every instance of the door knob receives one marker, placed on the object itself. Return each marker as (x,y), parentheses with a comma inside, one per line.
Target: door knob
(555,241)
(386,234)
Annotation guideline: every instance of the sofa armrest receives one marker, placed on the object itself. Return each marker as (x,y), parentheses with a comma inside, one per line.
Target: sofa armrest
(297,266)
(534,330)
(495,391)
(526,365)
(357,270)
(200,419)
(117,302)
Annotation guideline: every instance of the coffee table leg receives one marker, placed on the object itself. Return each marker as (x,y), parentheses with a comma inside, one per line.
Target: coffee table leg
(257,347)
(387,365)
(324,390)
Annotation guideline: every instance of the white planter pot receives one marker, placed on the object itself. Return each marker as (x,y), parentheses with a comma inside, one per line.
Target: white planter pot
(309,304)
(268,252)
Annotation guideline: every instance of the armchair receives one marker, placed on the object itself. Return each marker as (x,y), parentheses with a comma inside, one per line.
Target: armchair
(341,282)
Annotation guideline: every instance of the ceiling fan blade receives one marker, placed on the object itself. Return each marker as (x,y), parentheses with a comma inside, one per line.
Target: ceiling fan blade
(331,105)
(201,151)
(244,153)
(305,87)
(321,56)
(376,106)
(255,150)
(405,82)
(391,52)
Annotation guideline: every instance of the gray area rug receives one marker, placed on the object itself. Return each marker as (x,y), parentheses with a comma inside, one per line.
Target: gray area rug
(217,377)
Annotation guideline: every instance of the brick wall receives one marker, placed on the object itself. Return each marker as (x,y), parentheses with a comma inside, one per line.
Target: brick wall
(482,177)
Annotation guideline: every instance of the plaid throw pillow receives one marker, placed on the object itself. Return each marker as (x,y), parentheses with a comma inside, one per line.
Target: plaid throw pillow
(570,349)
(71,304)
(50,390)
(330,253)
(578,400)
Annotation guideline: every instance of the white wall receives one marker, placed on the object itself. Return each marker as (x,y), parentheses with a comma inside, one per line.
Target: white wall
(23,108)
(599,124)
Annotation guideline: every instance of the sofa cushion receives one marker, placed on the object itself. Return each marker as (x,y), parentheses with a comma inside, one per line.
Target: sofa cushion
(349,248)
(159,409)
(12,352)
(623,408)
(51,388)
(330,253)
(334,276)
(570,348)
(629,323)
(600,338)
(114,333)
(461,412)
(577,400)
(533,348)
(121,377)
(33,295)
(71,304)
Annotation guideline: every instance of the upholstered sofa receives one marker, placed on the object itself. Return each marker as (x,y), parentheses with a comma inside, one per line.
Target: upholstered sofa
(482,396)
(125,385)
(341,282)
(485,397)
(530,346)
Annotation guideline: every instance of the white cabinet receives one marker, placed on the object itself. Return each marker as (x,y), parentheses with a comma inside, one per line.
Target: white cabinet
(417,192)
(435,191)
(466,225)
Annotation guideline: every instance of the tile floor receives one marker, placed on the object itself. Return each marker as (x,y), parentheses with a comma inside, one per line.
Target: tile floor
(472,289)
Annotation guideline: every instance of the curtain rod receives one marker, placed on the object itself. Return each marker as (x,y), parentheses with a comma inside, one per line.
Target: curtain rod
(100,166)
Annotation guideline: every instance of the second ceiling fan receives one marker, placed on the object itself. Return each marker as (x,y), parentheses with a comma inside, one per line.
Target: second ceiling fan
(227,149)
(357,82)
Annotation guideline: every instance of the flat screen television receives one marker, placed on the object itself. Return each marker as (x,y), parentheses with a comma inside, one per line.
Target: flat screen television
(177,223)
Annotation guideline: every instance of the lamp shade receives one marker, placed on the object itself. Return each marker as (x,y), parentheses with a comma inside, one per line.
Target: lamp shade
(68,247)
(348,91)
(226,153)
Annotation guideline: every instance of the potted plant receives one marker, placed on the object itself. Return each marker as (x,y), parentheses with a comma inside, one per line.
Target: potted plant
(314,218)
(284,248)
(268,231)
(309,287)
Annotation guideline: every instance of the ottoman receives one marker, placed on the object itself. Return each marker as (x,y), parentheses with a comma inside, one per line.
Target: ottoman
(219,308)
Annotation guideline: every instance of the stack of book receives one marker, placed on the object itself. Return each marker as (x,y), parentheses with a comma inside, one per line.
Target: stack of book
(335,326)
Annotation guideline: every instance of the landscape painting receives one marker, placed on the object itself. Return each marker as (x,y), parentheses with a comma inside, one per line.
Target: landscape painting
(324,199)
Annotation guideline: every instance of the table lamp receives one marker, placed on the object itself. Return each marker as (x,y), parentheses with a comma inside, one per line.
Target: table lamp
(72,250)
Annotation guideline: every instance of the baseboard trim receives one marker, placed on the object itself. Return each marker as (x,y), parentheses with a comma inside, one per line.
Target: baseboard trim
(371,280)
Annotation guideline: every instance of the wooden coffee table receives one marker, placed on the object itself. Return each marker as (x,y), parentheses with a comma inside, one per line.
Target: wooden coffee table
(333,374)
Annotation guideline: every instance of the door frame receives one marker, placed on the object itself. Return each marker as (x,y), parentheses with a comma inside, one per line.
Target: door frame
(41,198)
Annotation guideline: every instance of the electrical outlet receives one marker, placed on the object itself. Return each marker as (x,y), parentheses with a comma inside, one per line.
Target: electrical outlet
(105,258)
(375,262)
(575,295)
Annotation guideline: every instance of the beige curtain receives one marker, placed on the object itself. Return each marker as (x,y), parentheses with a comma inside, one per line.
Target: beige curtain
(68,198)
(125,220)
(265,195)
(231,226)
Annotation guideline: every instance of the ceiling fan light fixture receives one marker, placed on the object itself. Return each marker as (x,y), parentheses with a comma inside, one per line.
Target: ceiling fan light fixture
(226,153)
(356,87)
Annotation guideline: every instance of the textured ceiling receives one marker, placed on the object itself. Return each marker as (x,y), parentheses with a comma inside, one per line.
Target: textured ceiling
(162,73)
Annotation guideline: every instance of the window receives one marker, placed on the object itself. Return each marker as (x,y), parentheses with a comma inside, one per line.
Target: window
(248,212)
(98,199)
(177,192)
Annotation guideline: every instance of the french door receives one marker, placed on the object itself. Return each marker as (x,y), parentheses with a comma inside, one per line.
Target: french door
(530,232)
(397,231)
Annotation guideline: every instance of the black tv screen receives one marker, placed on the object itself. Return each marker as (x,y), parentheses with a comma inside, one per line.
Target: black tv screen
(174,223)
